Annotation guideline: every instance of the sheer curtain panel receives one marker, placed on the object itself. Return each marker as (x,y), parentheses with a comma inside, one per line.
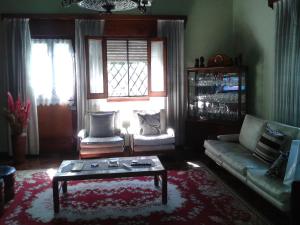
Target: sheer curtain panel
(17,51)
(83,28)
(287,62)
(52,71)
(173,31)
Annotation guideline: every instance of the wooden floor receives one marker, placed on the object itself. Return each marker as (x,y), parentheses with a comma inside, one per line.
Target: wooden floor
(178,162)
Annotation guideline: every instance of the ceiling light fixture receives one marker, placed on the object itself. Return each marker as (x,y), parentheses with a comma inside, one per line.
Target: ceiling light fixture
(109,6)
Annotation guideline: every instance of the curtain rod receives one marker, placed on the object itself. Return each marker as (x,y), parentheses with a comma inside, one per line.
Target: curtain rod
(94,16)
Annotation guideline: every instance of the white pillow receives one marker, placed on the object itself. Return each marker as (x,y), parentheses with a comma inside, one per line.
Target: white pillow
(251,131)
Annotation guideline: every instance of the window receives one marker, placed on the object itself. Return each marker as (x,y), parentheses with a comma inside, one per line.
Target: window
(52,71)
(126,68)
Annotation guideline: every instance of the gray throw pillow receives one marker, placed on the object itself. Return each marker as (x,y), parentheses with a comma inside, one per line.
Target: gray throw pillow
(102,125)
(149,124)
(278,168)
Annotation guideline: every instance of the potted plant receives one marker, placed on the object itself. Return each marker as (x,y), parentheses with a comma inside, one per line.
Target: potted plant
(17,115)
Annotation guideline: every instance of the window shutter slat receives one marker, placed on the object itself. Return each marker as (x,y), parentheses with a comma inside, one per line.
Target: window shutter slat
(137,50)
(116,50)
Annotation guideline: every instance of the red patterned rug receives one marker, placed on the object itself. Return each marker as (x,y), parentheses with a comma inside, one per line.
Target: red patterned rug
(194,197)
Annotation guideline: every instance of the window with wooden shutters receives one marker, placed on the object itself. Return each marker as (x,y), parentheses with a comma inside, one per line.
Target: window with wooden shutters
(127,68)
(131,68)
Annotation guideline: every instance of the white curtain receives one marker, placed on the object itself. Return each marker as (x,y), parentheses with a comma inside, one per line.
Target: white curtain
(287,62)
(17,51)
(83,28)
(52,71)
(173,31)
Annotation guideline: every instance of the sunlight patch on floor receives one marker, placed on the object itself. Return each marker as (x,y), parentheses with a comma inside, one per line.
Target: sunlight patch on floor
(51,172)
(195,165)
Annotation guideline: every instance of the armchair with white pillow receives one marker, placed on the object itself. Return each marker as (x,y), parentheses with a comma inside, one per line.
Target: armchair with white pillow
(149,134)
(101,136)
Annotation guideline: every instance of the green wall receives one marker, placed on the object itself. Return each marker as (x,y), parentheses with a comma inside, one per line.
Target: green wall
(209,29)
(254,37)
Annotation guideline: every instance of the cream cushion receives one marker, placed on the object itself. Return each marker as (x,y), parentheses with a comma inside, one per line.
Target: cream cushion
(273,187)
(251,131)
(163,139)
(105,141)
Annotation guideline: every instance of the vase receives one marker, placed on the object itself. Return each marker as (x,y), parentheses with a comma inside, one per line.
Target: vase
(19,144)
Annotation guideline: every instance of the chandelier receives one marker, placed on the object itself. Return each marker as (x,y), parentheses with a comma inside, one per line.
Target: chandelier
(109,6)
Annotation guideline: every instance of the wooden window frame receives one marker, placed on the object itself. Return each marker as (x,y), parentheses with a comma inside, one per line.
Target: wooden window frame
(105,72)
(105,86)
(164,92)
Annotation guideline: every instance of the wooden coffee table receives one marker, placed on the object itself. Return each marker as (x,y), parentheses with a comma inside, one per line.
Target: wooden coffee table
(64,173)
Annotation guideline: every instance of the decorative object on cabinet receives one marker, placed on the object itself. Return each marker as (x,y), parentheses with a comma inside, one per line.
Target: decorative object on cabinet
(216,102)
(219,60)
(202,61)
(197,63)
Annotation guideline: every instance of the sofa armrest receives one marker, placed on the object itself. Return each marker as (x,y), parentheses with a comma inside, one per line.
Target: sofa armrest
(82,134)
(171,132)
(229,137)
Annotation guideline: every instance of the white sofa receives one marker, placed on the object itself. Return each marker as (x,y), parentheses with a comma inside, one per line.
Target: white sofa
(235,154)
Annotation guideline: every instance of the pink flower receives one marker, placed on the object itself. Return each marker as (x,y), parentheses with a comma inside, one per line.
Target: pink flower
(17,114)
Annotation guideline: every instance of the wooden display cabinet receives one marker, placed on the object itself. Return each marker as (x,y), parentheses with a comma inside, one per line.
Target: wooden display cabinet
(216,102)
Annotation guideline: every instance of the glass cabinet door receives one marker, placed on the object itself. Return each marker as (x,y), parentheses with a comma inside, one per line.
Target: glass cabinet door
(217,96)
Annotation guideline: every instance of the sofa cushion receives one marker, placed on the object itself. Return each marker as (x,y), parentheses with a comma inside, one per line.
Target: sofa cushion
(298,135)
(149,124)
(251,131)
(278,168)
(220,147)
(104,141)
(163,139)
(241,161)
(273,187)
(269,145)
(102,125)
(154,148)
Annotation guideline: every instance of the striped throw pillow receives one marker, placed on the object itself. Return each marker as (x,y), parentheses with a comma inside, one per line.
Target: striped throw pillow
(269,145)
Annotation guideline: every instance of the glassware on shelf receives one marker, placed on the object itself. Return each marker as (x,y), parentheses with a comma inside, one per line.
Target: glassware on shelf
(216,94)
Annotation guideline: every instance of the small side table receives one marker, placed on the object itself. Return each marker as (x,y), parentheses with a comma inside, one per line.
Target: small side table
(8,173)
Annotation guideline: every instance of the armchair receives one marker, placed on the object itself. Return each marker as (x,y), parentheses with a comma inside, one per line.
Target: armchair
(101,136)
(149,135)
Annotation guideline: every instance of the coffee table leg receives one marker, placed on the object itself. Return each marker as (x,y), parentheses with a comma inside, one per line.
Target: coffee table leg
(156,180)
(64,187)
(164,187)
(55,196)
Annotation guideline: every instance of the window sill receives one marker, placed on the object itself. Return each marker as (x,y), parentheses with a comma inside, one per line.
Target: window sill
(127,99)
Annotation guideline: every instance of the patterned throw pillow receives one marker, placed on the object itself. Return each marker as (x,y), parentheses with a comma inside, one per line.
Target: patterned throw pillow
(149,124)
(278,168)
(269,145)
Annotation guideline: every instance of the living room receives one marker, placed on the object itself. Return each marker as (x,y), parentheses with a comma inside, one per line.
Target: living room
(150,81)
